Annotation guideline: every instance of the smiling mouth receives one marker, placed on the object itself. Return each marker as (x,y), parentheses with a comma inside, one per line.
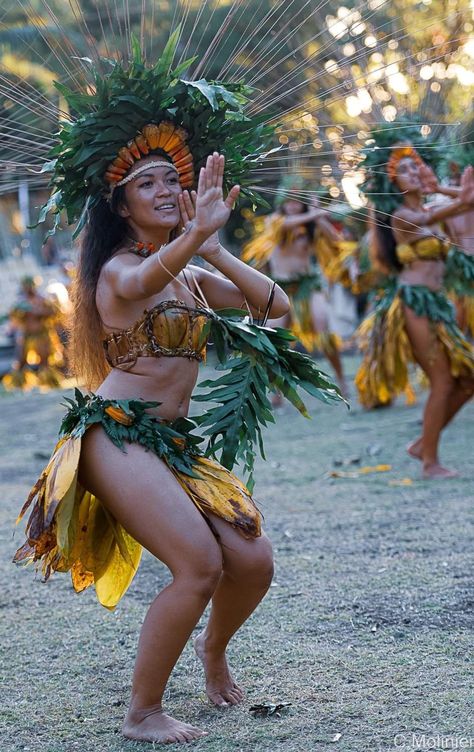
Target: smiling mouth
(165,206)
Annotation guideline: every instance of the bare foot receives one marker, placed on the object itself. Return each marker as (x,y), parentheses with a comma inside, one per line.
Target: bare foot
(160,728)
(415,449)
(221,689)
(436,471)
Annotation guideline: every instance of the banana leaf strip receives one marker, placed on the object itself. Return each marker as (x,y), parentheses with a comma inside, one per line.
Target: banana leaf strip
(256,360)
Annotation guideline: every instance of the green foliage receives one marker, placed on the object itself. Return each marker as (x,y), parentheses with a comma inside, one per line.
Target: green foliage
(256,360)
(172,441)
(459,275)
(127,97)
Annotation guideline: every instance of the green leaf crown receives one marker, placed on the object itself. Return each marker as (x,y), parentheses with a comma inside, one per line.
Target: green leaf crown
(128,97)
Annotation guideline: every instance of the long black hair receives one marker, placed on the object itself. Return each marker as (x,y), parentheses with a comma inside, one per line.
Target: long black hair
(382,240)
(104,233)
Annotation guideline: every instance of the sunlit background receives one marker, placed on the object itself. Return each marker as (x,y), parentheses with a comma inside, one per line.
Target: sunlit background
(324,74)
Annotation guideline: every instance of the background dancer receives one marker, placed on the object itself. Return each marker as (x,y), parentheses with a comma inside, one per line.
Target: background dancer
(415,321)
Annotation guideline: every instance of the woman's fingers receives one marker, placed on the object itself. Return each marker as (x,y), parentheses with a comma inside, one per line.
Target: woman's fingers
(232,196)
(202,181)
(220,169)
(182,209)
(212,174)
(209,171)
(189,205)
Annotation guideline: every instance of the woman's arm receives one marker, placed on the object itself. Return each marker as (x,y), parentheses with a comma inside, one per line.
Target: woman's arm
(312,215)
(133,281)
(327,229)
(408,222)
(242,282)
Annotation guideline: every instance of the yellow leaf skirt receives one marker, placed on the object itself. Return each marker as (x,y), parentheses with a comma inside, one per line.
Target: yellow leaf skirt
(383,373)
(299,290)
(69,529)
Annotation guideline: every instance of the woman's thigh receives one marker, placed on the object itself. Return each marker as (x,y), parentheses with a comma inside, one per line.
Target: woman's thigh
(427,349)
(320,311)
(146,499)
(243,557)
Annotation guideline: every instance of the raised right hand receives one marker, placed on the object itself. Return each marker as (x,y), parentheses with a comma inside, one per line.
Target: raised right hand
(212,210)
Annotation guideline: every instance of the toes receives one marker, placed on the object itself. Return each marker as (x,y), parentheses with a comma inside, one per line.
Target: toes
(218,700)
(239,691)
(233,697)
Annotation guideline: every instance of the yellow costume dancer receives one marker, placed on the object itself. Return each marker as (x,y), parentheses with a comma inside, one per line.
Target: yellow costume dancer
(387,351)
(39,351)
(269,234)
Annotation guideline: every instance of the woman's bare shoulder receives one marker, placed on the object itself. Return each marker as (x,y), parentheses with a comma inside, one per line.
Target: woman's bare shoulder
(120,258)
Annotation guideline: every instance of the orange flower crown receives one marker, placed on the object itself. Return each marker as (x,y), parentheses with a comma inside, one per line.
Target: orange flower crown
(166,136)
(398,153)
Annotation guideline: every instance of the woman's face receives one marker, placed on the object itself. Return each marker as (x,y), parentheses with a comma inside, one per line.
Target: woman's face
(151,200)
(291,206)
(408,175)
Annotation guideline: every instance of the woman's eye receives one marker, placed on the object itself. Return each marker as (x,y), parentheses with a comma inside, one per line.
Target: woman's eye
(146,184)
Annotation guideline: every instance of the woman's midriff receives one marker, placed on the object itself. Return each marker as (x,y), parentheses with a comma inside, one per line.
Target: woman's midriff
(169,381)
(288,263)
(427,273)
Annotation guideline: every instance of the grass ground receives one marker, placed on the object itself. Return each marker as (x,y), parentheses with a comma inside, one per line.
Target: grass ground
(366,631)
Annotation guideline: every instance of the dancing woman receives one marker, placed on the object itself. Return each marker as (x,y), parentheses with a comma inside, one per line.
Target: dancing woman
(34,319)
(416,322)
(286,243)
(128,472)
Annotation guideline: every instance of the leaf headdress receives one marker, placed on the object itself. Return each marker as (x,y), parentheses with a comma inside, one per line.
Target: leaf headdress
(112,119)
(378,187)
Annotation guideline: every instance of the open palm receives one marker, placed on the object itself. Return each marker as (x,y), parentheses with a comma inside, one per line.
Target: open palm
(467,186)
(212,210)
(207,208)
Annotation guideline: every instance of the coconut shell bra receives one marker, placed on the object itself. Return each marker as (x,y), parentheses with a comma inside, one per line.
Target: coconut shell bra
(430,248)
(170,329)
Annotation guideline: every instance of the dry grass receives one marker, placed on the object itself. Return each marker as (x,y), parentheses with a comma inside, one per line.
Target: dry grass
(367,629)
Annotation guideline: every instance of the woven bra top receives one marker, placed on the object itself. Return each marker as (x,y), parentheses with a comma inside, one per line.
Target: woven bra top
(430,248)
(170,329)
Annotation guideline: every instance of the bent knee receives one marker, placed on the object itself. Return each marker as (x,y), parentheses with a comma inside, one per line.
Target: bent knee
(201,575)
(256,567)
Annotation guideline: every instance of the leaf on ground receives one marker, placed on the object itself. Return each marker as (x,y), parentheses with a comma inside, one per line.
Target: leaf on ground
(374,469)
(362,471)
(267,709)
